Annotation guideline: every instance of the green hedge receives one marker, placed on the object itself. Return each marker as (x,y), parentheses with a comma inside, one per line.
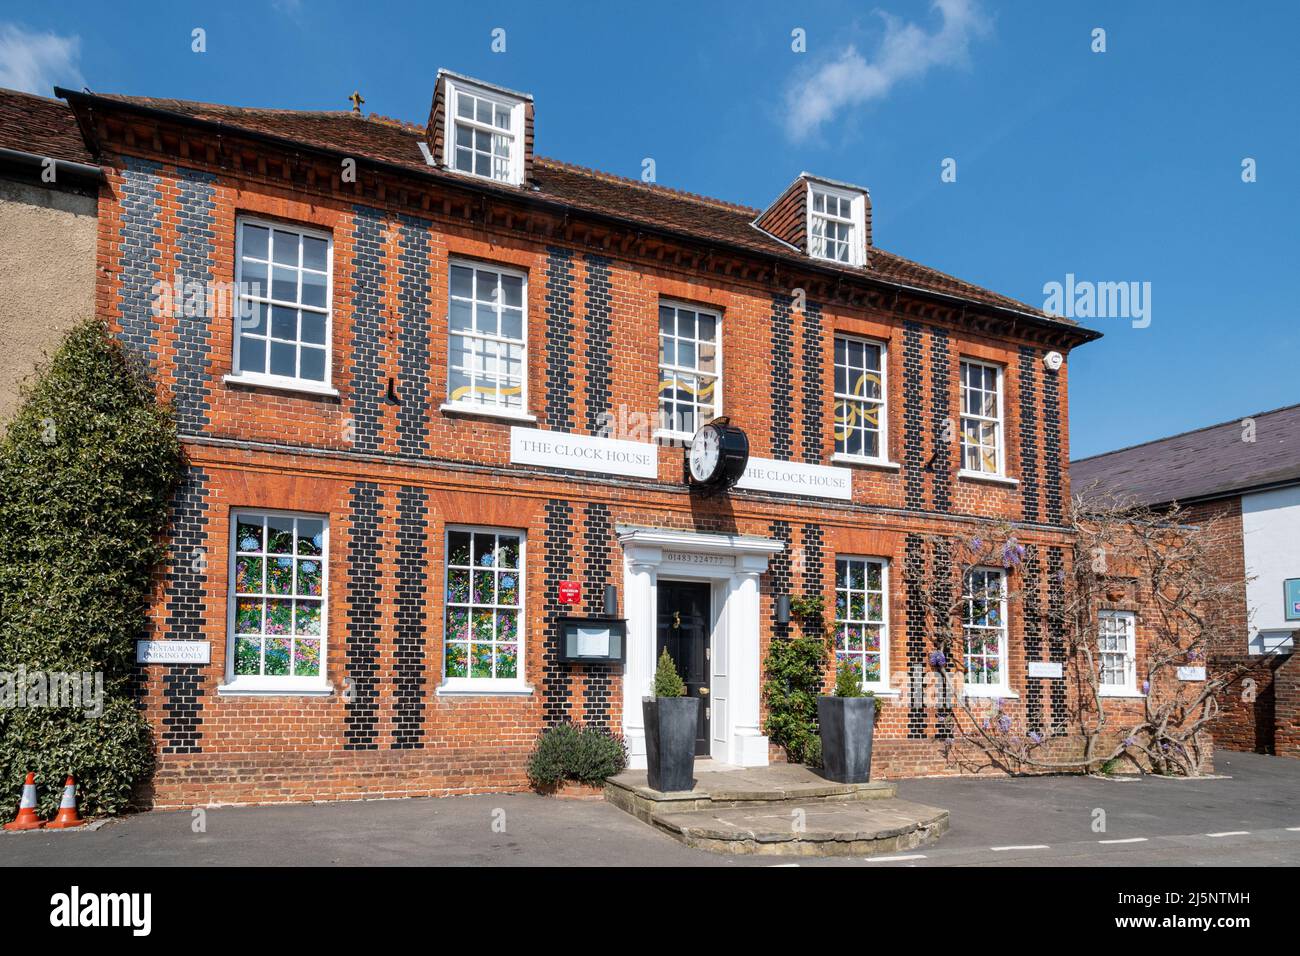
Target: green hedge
(87,470)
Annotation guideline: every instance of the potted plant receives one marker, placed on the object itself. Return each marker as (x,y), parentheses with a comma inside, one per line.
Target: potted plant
(846,722)
(671,720)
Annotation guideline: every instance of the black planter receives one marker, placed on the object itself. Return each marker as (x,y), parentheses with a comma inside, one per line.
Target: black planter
(846,727)
(670,729)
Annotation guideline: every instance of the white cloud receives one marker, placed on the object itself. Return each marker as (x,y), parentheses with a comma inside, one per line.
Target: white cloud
(35,62)
(906,51)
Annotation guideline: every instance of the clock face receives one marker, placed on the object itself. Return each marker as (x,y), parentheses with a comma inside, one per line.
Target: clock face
(706,449)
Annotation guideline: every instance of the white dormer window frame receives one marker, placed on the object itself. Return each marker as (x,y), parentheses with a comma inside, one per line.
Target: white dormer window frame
(473,142)
(837,224)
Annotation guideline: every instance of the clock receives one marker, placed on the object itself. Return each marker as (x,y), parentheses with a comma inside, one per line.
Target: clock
(718,455)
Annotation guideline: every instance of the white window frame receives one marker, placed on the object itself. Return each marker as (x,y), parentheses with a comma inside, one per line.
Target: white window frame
(662,430)
(1003,687)
(882,685)
(266,379)
(882,404)
(487,685)
(455,86)
(262,684)
(856,222)
(1129,687)
(489,409)
(999,431)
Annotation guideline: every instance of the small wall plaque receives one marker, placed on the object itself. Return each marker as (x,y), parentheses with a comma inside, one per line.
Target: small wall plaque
(1045,669)
(1191,673)
(173,652)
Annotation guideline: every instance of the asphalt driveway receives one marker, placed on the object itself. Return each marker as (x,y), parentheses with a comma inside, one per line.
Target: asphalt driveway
(1250,816)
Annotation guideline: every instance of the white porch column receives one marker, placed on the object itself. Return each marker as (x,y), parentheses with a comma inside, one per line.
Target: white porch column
(639,573)
(749,744)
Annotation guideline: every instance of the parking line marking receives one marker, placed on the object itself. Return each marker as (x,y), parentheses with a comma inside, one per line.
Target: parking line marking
(1129,840)
(1027,846)
(892,859)
(1294,829)
(1229,833)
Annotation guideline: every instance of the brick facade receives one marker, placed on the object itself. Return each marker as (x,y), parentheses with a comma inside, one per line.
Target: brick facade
(391,470)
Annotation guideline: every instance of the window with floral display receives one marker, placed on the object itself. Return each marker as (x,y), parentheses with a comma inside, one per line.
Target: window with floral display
(277,601)
(485,600)
(984,624)
(861,618)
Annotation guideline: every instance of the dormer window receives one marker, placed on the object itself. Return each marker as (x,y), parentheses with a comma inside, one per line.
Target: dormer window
(485,129)
(835,224)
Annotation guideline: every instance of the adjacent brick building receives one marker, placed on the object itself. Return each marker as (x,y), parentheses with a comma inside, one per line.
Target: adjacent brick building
(424,378)
(49,186)
(1241,479)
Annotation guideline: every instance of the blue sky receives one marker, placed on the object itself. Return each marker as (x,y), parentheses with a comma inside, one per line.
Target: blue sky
(1122,166)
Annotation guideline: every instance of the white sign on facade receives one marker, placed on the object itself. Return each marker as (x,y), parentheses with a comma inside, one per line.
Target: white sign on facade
(173,652)
(1045,669)
(797,478)
(1191,673)
(604,456)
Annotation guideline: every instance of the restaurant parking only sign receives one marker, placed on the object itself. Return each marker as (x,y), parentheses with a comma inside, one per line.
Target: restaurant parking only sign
(1292,587)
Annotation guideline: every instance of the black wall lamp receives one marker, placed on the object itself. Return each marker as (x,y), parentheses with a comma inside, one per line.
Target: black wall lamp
(611,601)
(783,609)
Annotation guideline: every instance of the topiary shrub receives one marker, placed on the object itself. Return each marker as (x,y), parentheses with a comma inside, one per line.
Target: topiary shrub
(87,470)
(793,681)
(668,683)
(572,752)
(848,680)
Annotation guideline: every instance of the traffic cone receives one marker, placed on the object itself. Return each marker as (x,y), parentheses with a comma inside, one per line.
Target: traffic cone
(27,818)
(67,808)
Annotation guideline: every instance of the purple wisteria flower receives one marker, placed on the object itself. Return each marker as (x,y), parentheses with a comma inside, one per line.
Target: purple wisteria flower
(1035,736)
(1193,655)
(1129,741)
(938,659)
(1146,687)
(1004,722)
(1013,552)
(976,544)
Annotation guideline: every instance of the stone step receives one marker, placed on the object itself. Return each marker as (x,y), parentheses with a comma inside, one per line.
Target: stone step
(807,828)
(738,788)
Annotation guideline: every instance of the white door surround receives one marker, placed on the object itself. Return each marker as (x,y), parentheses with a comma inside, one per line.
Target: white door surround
(732,564)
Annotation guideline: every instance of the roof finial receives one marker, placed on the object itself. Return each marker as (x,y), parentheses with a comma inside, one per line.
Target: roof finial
(357,99)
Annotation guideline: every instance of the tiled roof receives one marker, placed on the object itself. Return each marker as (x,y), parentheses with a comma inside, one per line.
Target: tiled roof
(1208,462)
(390,141)
(40,126)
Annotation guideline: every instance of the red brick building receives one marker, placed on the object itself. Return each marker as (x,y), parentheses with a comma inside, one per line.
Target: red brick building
(1241,479)
(424,378)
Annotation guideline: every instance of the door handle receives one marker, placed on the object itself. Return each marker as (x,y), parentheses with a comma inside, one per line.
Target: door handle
(704,692)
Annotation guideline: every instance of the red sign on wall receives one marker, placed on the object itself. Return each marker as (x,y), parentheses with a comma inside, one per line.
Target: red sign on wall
(570,592)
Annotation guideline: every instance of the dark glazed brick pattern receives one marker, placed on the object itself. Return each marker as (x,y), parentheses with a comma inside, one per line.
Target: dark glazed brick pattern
(1032,603)
(558,567)
(913,571)
(598,570)
(413,354)
(141,211)
(412,598)
(941,423)
(1056,632)
(913,485)
(1029,433)
(195,238)
(814,360)
(780,580)
(367,325)
(559,339)
(782,378)
(186,589)
(1052,447)
(600,364)
(941,556)
(361,730)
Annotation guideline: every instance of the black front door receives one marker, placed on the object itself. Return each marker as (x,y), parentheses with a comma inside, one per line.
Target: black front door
(684,628)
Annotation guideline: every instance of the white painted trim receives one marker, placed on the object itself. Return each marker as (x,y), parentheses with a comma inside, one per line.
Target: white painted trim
(676,305)
(481,687)
(281,384)
(986,476)
(883,430)
(486,685)
(498,95)
(475,266)
(239,689)
(858,213)
(484,411)
(732,564)
(840,458)
(999,421)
